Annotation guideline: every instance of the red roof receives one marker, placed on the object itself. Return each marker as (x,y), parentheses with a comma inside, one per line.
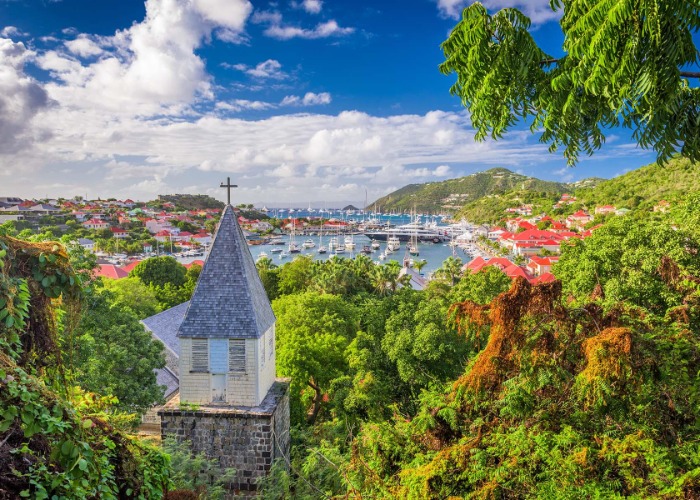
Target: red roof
(543,278)
(117,230)
(163,233)
(111,271)
(131,265)
(580,213)
(95,221)
(197,262)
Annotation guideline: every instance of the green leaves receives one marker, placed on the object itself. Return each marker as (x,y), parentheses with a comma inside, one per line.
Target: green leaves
(622,66)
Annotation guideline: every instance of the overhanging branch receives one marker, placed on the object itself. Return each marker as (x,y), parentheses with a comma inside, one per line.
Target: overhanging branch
(683,74)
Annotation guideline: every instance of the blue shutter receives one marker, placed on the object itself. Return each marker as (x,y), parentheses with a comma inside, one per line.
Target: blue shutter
(218,355)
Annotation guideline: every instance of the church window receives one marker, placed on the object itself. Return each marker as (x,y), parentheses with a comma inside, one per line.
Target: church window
(271,342)
(200,355)
(236,355)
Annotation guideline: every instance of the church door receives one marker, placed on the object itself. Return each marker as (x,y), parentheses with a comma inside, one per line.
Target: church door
(218,360)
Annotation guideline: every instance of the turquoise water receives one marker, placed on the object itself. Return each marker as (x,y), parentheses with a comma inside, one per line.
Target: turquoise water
(433,253)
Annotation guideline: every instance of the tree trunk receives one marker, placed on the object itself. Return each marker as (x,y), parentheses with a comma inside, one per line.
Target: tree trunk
(318,398)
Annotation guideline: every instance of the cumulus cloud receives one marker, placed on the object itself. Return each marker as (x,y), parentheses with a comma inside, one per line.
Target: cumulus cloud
(539,11)
(21,98)
(309,99)
(83,46)
(12,32)
(270,69)
(152,67)
(241,104)
(277,28)
(310,6)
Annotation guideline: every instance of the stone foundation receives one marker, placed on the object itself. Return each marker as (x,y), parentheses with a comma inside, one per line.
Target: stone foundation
(243,438)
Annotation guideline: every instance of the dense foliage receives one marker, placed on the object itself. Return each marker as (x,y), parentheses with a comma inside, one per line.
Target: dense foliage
(57,441)
(623,65)
(479,388)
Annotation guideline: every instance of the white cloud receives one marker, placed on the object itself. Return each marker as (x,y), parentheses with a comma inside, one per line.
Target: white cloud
(12,32)
(21,98)
(310,6)
(152,67)
(276,28)
(241,104)
(83,46)
(309,99)
(270,69)
(539,11)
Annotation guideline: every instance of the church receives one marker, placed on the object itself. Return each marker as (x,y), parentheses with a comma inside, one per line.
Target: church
(221,392)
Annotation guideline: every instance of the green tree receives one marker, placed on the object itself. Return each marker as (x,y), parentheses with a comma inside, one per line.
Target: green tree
(623,65)
(110,353)
(313,332)
(159,271)
(131,293)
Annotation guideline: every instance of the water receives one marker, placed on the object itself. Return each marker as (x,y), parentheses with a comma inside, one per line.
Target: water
(433,253)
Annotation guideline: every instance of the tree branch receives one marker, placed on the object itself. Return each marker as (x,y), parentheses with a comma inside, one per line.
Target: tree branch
(683,74)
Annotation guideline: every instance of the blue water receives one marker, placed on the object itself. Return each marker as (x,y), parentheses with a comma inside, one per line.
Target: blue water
(397,219)
(433,253)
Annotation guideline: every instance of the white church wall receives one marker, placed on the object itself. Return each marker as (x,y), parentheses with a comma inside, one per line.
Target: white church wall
(267,369)
(242,388)
(194,387)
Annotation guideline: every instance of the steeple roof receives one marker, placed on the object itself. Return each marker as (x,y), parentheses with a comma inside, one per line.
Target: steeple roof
(229,300)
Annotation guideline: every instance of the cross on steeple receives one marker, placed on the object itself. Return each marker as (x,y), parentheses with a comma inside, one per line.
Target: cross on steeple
(228,187)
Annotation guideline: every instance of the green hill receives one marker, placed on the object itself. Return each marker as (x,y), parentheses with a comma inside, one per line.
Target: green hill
(645,187)
(453,194)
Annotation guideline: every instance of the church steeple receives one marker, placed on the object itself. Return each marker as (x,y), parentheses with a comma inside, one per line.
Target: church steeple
(227,337)
(229,300)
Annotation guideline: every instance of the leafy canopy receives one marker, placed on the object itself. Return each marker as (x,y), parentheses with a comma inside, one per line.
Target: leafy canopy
(623,65)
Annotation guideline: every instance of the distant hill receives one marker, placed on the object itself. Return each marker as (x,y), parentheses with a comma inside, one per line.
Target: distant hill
(451,195)
(644,187)
(190,201)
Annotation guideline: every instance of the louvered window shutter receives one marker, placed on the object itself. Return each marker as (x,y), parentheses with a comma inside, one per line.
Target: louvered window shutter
(236,355)
(200,355)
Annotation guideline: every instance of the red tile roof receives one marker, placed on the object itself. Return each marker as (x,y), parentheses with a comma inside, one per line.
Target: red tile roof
(111,271)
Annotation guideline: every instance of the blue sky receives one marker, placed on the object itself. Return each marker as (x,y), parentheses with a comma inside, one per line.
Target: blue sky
(297,100)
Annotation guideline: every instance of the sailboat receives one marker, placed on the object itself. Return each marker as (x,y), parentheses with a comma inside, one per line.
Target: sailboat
(321,247)
(413,245)
(293,247)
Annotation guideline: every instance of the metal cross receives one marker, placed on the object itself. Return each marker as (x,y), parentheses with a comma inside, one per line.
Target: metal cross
(228,187)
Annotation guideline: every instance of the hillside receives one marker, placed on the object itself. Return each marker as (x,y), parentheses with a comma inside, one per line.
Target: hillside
(645,187)
(190,201)
(452,194)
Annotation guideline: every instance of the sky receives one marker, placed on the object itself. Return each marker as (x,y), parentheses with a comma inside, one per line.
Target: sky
(298,101)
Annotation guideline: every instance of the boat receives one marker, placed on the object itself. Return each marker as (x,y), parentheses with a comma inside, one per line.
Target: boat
(283,255)
(276,250)
(413,245)
(393,243)
(276,241)
(375,245)
(322,249)
(293,247)
(428,233)
(366,249)
(333,244)
(349,243)
(308,244)
(261,256)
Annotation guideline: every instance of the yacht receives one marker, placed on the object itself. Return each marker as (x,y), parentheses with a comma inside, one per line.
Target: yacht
(432,233)
(349,243)
(393,243)
(261,256)
(308,244)
(322,249)
(276,250)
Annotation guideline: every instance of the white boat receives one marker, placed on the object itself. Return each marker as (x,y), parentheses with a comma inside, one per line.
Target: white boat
(276,250)
(349,243)
(393,244)
(308,244)
(333,244)
(376,245)
(261,256)
(283,255)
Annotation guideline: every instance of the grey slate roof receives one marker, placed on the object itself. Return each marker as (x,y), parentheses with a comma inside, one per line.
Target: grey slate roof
(229,300)
(165,325)
(166,378)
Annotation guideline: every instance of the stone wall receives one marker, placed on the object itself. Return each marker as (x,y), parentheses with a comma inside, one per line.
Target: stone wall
(246,439)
